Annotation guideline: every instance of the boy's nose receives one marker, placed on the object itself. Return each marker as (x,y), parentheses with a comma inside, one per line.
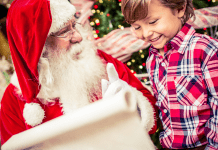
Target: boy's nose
(146,34)
(77,38)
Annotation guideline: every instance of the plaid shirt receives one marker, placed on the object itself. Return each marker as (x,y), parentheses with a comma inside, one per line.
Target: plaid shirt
(185,83)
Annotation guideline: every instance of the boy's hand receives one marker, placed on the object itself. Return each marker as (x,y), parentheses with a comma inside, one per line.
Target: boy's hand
(114,85)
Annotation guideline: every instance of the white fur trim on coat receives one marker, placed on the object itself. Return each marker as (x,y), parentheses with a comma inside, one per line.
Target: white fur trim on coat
(147,111)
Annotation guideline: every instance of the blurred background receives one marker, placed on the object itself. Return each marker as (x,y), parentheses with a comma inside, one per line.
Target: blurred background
(108,30)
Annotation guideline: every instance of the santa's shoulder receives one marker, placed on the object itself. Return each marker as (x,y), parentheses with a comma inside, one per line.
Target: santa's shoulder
(110,59)
(11,101)
(104,55)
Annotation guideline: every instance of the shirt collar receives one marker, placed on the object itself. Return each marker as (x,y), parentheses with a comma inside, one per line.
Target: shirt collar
(180,41)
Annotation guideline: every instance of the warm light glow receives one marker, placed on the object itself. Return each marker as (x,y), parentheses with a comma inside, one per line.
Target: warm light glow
(92,23)
(93,11)
(95,35)
(129,63)
(97,21)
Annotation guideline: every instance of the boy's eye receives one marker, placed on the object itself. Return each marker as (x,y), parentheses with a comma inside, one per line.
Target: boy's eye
(136,28)
(152,22)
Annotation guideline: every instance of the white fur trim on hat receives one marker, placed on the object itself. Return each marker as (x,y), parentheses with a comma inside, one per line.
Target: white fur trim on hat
(61,11)
(33,114)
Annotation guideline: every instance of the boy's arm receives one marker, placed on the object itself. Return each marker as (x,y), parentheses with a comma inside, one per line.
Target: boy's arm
(210,73)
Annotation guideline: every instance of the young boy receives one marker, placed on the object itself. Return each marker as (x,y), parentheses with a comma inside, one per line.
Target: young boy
(183,69)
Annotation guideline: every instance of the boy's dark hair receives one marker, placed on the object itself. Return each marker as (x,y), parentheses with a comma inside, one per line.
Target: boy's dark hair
(134,10)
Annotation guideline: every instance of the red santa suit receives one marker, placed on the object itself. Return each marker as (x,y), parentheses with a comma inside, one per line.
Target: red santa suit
(29,23)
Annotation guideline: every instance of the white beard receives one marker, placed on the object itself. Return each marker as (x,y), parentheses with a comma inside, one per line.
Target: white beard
(74,79)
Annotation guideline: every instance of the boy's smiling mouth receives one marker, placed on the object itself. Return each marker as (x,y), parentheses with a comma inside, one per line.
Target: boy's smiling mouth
(155,39)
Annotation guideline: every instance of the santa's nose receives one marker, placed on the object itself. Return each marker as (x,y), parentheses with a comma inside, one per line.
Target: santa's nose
(76,38)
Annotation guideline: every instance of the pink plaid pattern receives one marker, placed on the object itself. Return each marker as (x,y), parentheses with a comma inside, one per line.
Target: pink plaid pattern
(185,83)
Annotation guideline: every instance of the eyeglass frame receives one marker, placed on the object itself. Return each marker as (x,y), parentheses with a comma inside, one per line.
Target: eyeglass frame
(67,34)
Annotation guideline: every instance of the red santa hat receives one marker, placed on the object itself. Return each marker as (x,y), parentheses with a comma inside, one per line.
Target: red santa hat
(29,23)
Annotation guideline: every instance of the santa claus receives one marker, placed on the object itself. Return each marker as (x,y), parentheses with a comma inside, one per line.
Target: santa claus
(58,70)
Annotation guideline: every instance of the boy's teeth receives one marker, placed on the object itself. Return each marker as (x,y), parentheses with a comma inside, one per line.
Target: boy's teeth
(155,39)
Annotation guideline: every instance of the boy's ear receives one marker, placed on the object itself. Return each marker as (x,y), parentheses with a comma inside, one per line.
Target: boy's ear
(182,10)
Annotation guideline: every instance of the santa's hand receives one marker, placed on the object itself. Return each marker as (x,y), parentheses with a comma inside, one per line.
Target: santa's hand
(115,84)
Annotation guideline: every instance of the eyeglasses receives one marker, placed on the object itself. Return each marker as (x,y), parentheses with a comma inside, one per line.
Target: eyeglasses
(66,35)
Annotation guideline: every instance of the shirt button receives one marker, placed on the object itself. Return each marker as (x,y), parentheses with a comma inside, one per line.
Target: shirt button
(169,132)
(188,79)
(165,111)
(162,64)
